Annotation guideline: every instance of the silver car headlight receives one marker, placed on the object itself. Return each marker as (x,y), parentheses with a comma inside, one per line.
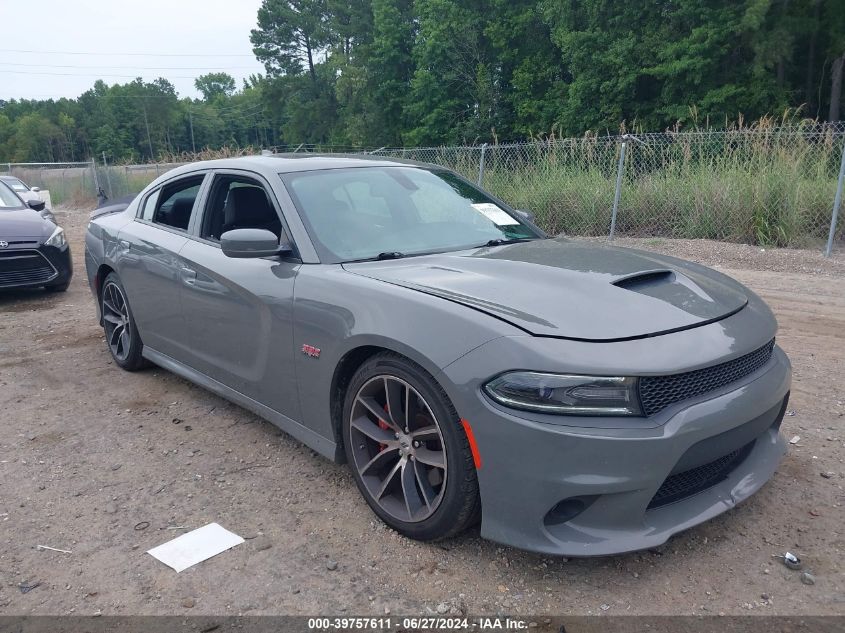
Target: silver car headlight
(57,239)
(566,394)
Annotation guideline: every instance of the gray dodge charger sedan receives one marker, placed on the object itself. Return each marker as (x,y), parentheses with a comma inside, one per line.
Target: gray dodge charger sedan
(577,399)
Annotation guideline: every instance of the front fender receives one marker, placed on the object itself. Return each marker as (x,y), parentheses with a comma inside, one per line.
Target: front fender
(337,312)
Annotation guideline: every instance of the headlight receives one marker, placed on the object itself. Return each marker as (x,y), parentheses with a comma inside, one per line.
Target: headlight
(566,395)
(57,239)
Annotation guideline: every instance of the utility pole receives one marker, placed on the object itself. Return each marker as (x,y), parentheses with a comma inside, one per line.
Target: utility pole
(147,123)
(191,121)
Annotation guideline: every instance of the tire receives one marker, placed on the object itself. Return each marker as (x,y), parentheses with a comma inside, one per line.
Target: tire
(122,338)
(58,287)
(420,499)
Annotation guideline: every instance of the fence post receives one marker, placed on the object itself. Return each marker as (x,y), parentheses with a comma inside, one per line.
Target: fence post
(108,176)
(619,169)
(481,164)
(836,201)
(94,173)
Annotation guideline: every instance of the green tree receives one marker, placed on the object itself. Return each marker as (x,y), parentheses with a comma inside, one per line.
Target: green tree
(214,85)
(290,33)
(36,139)
(834,20)
(391,67)
(453,95)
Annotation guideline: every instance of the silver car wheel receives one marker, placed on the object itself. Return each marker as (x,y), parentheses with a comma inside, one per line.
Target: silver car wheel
(116,321)
(398,448)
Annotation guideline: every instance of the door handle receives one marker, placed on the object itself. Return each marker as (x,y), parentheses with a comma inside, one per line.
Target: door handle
(189,276)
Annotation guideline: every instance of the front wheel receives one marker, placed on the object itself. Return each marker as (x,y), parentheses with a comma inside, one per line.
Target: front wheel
(121,334)
(409,454)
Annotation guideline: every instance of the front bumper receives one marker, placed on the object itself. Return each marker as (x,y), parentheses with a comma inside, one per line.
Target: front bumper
(529,467)
(36,265)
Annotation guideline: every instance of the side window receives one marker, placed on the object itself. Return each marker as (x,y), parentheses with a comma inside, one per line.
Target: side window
(175,203)
(238,202)
(150,205)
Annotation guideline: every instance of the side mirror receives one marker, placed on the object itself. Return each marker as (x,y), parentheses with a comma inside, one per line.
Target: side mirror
(35,189)
(246,243)
(527,215)
(36,205)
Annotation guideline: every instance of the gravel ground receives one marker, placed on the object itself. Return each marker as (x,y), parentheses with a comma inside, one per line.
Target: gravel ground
(744,256)
(89,454)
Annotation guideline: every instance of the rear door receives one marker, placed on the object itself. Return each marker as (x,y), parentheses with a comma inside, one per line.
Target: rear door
(149,265)
(239,311)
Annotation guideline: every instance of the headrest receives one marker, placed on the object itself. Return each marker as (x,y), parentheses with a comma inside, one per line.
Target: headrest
(248,205)
(180,212)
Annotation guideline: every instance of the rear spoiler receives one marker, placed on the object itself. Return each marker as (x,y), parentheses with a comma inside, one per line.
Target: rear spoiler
(107,207)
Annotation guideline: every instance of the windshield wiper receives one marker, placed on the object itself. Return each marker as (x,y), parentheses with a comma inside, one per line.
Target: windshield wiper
(513,240)
(390,255)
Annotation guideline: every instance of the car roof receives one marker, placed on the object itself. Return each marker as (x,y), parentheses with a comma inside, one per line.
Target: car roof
(10,178)
(289,163)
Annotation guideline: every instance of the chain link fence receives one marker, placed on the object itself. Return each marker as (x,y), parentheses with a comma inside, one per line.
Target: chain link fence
(767,186)
(123,180)
(772,186)
(63,183)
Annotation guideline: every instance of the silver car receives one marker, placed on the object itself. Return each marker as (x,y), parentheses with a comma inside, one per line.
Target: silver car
(577,399)
(21,188)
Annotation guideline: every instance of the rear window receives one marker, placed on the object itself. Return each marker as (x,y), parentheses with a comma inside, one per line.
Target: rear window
(173,204)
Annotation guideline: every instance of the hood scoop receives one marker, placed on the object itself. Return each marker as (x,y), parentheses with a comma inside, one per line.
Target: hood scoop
(677,289)
(645,279)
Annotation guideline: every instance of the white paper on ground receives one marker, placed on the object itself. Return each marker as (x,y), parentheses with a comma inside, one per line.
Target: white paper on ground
(195,546)
(498,216)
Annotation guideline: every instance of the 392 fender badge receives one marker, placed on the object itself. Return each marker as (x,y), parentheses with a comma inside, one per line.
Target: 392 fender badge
(310,350)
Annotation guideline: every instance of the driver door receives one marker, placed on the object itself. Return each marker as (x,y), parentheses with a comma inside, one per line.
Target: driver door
(238,312)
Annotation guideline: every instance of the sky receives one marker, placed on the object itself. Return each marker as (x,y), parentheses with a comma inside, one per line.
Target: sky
(59,48)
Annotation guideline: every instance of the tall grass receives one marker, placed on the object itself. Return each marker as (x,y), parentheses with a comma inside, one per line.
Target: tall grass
(771,183)
(768,184)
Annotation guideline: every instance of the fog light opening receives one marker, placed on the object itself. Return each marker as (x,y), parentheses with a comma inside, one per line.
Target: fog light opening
(568,509)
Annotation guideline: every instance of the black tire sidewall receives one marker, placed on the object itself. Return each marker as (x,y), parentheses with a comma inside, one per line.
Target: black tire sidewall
(133,360)
(451,516)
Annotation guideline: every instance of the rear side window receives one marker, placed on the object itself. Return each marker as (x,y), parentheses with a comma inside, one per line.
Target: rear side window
(150,205)
(173,204)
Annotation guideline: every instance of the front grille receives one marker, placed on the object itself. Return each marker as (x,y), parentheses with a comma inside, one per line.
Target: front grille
(658,392)
(695,480)
(24,268)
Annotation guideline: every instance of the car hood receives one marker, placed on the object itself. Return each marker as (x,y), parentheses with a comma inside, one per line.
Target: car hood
(24,223)
(568,289)
(28,195)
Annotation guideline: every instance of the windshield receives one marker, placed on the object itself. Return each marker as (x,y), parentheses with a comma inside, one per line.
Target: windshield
(8,200)
(16,184)
(360,213)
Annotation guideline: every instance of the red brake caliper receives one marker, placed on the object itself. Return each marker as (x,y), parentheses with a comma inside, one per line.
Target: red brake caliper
(383,425)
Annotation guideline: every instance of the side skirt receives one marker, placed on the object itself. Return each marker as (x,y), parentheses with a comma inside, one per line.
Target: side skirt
(326,447)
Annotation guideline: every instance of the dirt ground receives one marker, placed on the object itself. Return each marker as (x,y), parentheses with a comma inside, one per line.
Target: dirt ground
(89,452)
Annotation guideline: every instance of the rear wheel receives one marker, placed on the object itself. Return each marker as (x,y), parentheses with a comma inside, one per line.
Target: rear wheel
(122,337)
(409,454)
